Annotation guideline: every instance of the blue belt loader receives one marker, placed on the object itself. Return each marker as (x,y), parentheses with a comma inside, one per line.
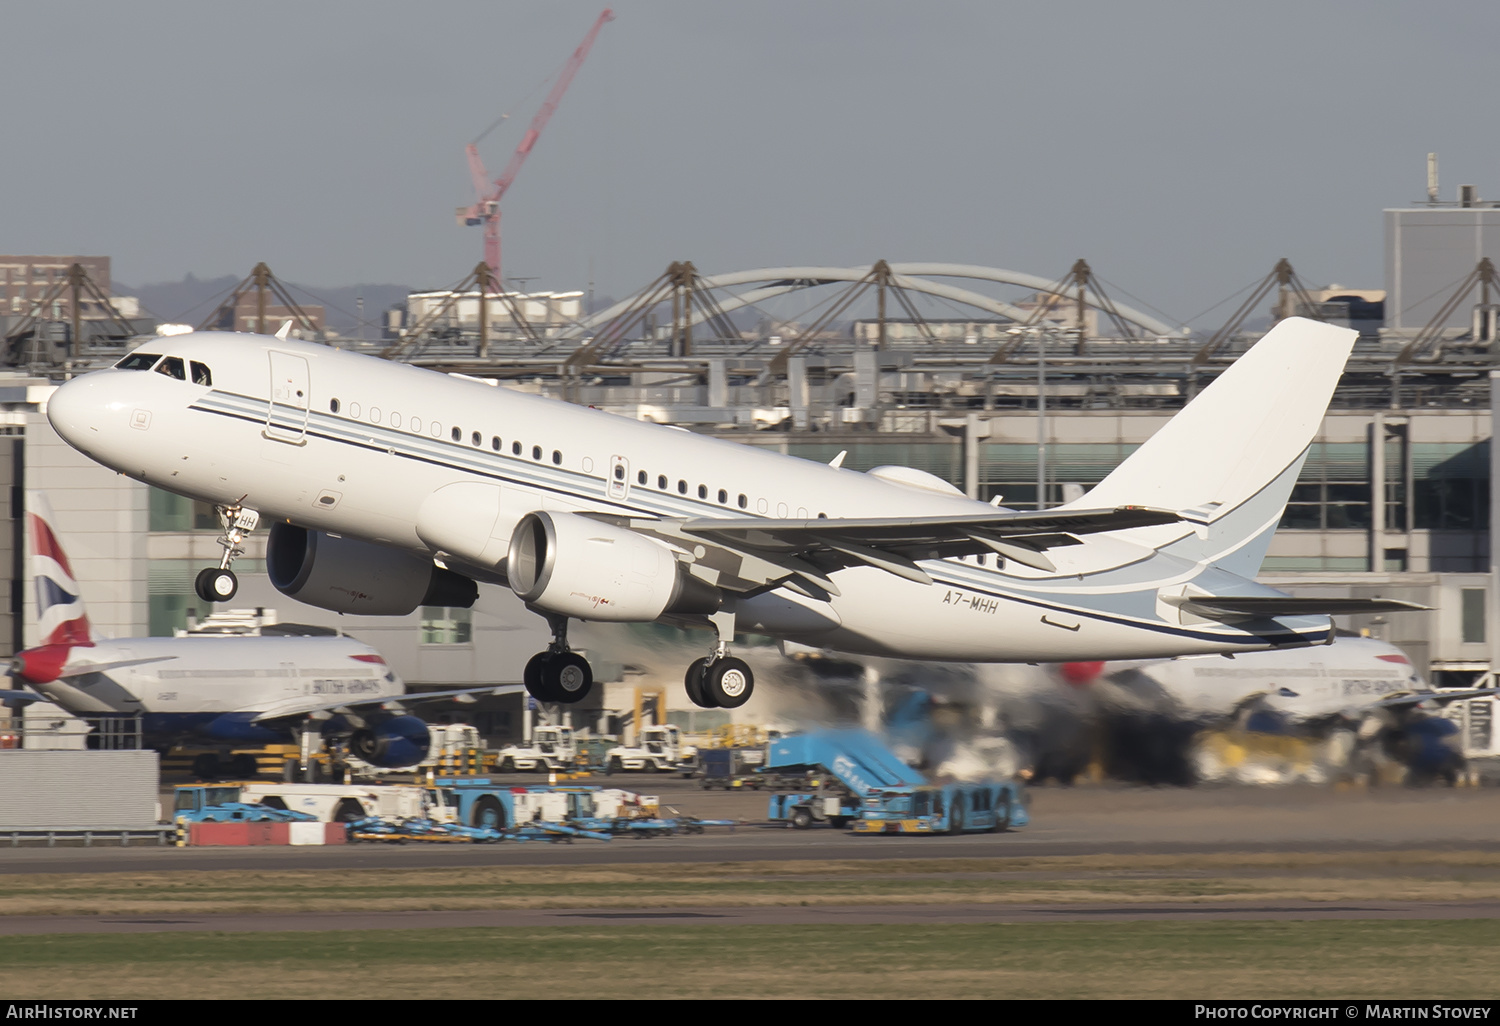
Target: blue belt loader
(877,793)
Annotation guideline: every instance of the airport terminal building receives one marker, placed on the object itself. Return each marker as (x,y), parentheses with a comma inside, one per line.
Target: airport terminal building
(1394,499)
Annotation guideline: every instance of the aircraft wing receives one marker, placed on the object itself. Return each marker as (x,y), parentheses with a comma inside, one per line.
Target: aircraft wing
(327,706)
(83,669)
(20,697)
(1257,606)
(811,549)
(1409,698)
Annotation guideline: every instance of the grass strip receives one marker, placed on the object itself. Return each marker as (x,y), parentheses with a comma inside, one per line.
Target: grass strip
(1220,960)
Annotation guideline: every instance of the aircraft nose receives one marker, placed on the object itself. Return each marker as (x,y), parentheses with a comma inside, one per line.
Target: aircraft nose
(76,412)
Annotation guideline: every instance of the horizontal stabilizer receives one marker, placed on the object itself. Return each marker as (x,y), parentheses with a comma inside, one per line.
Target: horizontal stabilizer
(1289,605)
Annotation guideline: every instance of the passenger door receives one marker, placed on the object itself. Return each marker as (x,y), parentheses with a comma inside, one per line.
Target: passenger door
(286,411)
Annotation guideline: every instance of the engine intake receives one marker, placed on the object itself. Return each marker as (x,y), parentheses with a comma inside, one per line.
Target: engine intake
(576,566)
(398,741)
(351,576)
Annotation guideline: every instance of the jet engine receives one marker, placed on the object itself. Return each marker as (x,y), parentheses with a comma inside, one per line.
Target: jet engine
(391,743)
(576,566)
(349,576)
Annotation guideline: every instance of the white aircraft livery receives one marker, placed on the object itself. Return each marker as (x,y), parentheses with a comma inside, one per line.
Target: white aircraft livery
(391,486)
(232,689)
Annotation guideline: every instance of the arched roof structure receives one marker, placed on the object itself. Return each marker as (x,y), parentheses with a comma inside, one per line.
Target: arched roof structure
(771,282)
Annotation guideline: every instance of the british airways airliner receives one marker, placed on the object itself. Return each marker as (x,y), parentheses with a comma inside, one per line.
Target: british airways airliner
(390,486)
(226,689)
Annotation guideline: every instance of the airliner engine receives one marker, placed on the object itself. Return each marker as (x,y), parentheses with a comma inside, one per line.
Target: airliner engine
(349,576)
(398,741)
(576,566)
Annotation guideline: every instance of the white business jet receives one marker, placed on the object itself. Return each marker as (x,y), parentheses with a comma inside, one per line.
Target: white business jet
(228,690)
(390,486)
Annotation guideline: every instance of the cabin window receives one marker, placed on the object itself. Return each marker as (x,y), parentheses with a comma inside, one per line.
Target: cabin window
(619,472)
(395,420)
(416,425)
(822,516)
(515,447)
(436,430)
(476,439)
(495,443)
(172,367)
(333,406)
(202,375)
(557,457)
(682,487)
(723,496)
(703,491)
(139,361)
(640,477)
(661,481)
(536,452)
(457,434)
(374,414)
(743,501)
(354,409)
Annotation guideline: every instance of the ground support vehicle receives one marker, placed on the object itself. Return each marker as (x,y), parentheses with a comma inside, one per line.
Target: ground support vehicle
(553,812)
(210,804)
(732,768)
(340,803)
(660,749)
(892,797)
(550,750)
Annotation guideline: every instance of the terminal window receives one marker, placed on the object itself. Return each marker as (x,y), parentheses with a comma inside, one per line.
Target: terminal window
(447,625)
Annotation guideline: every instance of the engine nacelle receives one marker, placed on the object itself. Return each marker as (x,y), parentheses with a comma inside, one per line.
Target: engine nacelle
(576,566)
(350,576)
(392,743)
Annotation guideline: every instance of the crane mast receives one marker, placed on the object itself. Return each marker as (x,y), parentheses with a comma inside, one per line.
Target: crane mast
(487,210)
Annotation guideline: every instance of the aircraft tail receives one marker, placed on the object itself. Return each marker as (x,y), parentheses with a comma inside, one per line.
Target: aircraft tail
(61,619)
(1229,459)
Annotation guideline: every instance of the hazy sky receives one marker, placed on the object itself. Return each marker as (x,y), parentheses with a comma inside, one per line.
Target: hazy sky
(1180,146)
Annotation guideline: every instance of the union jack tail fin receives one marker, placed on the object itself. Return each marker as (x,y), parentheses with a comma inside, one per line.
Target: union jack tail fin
(61,619)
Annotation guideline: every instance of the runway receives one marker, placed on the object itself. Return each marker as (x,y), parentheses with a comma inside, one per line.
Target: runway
(732,916)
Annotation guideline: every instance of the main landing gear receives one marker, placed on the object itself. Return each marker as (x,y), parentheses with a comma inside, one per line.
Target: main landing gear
(218,583)
(720,681)
(558,674)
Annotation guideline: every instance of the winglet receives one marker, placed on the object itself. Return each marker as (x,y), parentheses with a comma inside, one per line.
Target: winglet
(838,461)
(285,330)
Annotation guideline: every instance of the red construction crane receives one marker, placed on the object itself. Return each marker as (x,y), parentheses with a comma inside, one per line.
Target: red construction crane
(487,210)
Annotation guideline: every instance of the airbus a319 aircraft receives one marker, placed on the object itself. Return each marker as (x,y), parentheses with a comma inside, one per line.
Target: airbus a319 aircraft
(390,486)
(232,689)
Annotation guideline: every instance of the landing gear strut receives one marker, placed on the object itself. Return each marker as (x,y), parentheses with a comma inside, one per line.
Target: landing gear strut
(558,674)
(218,584)
(720,681)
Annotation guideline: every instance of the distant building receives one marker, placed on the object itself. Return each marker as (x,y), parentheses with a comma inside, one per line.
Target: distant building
(1429,251)
(246,315)
(26,280)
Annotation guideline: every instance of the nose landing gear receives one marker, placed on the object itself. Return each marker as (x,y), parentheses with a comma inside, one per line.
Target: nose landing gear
(558,674)
(219,584)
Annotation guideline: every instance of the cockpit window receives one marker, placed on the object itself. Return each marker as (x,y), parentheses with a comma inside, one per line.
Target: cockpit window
(201,374)
(172,367)
(139,361)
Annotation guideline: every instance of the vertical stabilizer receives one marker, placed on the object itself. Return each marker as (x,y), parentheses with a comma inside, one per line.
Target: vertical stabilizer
(61,619)
(1230,457)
